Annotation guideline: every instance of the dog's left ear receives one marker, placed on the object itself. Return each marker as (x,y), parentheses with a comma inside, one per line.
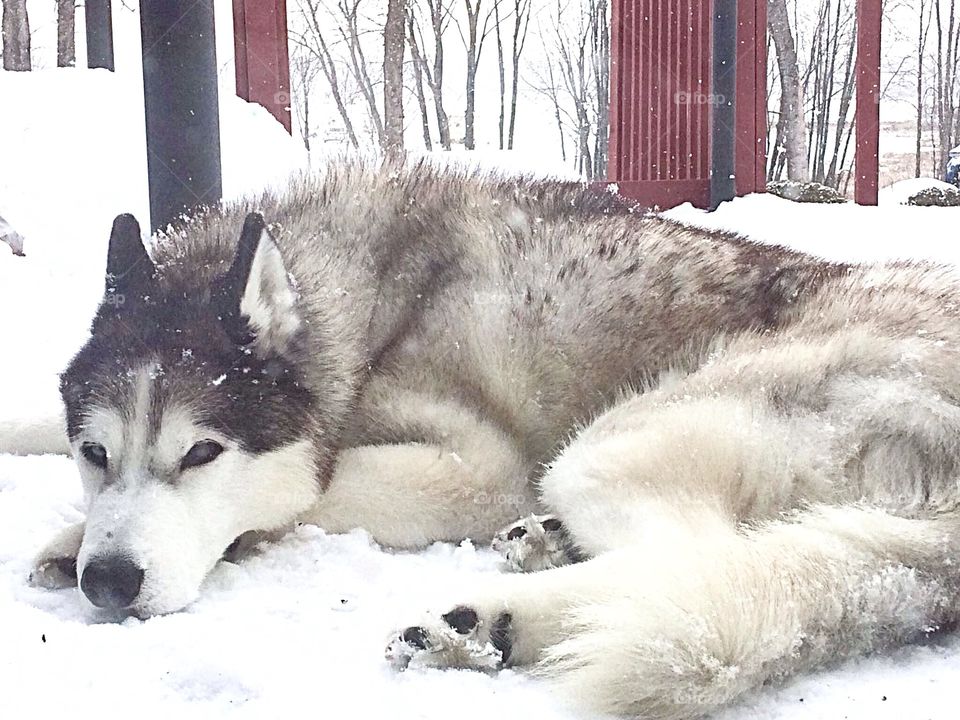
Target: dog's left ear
(130,270)
(259,299)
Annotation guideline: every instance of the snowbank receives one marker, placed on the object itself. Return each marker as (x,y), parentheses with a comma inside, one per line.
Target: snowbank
(846,233)
(901,192)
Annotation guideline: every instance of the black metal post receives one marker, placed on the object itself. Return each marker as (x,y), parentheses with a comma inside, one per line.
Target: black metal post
(180,93)
(723,181)
(98,16)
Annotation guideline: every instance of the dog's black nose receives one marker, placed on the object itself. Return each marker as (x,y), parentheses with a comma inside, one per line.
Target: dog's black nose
(111,582)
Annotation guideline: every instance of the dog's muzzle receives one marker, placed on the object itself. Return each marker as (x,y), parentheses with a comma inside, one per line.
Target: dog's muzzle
(111,582)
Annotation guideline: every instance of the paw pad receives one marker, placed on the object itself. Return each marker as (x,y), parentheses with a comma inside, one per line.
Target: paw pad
(462,619)
(538,542)
(459,641)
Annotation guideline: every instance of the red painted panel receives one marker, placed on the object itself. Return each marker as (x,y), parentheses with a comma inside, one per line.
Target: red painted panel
(660,115)
(667,193)
(262,60)
(659,100)
(869,21)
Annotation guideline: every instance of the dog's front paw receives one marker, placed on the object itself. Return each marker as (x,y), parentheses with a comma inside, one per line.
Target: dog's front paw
(247,544)
(537,542)
(54,573)
(56,565)
(462,639)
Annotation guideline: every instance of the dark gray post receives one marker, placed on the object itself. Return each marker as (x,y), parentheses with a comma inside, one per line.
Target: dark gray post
(180,93)
(723,182)
(98,16)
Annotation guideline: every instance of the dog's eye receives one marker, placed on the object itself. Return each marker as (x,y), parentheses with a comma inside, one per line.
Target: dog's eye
(201,453)
(95,454)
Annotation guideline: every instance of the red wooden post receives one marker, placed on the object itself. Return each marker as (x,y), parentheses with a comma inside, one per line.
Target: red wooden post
(262,60)
(751,155)
(869,14)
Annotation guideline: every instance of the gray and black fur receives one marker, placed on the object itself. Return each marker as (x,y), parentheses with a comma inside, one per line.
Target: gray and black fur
(742,442)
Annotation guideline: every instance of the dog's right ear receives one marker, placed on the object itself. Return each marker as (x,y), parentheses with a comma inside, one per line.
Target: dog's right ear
(258,299)
(129,269)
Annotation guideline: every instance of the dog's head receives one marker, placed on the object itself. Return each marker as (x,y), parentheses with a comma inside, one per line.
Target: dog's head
(188,418)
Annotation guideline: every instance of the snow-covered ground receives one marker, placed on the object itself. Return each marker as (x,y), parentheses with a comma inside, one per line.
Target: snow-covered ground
(299,629)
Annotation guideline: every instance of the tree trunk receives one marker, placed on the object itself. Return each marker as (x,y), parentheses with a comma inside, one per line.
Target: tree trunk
(921,43)
(521,21)
(393,50)
(16,35)
(791,97)
(358,62)
(600,41)
(306,121)
(503,75)
(438,14)
(554,97)
(66,44)
(66,26)
(418,70)
(474,46)
(322,53)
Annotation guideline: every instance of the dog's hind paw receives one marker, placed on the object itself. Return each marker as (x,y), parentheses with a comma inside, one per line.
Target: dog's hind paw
(460,640)
(537,542)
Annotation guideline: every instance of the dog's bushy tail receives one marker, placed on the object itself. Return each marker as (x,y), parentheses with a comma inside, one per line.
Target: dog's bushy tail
(692,629)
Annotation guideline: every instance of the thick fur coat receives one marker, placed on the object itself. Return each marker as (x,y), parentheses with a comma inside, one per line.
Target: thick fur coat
(752,454)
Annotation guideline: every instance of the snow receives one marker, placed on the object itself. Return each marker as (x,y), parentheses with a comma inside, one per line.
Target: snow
(299,628)
(840,232)
(900,192)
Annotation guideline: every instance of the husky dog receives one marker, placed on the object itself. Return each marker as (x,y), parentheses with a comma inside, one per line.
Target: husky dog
(732,462)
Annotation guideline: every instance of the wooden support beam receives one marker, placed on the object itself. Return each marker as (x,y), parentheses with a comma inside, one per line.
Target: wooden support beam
(869,21)
(261,55)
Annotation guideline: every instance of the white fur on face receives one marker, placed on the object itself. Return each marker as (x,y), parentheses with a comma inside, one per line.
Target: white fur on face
(175,525)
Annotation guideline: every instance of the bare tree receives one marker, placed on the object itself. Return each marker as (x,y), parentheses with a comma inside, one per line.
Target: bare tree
(418,64)
(945,79)
(548,86)
(314,42)
(66,26)
(521,22)
(791,125)
(599,60)
(829,130)
(553,94)
(16,35)
(503,74)
(812,136)
(579,89)
(350,32)
(393,51)
(473,42)
(923,32)
(304,68)
(439,13)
